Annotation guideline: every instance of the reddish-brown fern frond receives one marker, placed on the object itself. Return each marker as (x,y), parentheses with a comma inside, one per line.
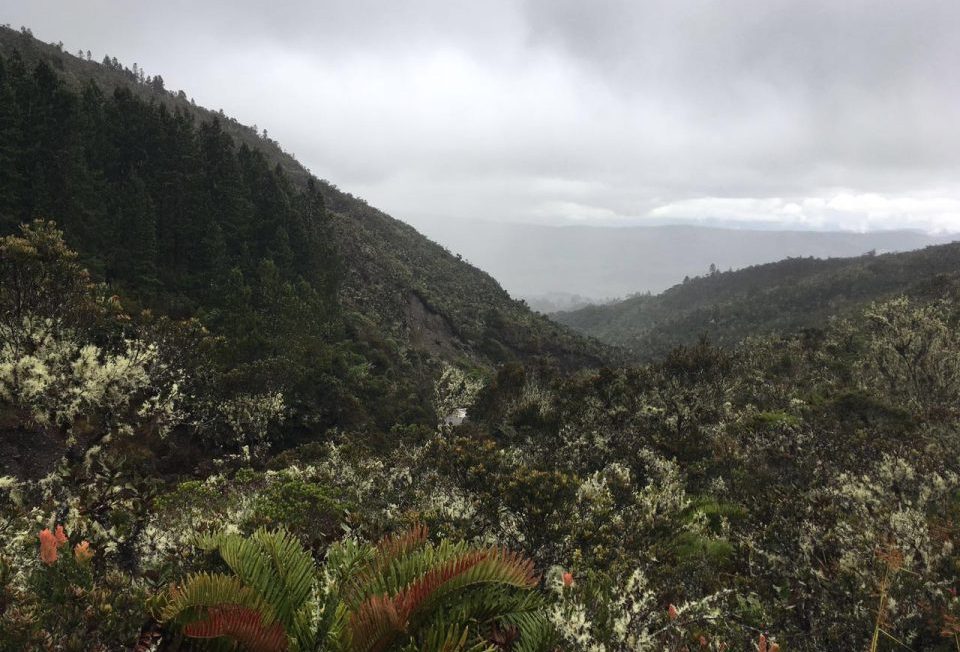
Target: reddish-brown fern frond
(520,569)
(386,551)
(375,624)
(243,625)
(481,566)
(418,592)
(391,547)
(380,618)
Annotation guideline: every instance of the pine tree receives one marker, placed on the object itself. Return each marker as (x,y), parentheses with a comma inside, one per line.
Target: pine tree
(11,179)
(134,257)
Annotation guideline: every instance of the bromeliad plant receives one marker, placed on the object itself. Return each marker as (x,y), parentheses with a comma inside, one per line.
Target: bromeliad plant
(405,593)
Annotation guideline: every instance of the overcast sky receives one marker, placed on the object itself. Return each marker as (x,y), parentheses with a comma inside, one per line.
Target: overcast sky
(807,113)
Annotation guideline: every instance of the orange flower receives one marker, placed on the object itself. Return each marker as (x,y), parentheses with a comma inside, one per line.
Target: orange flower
(48,547)
(568,579)
(49,542)
(672,612)
(774,647)
(82,552)
(762,646)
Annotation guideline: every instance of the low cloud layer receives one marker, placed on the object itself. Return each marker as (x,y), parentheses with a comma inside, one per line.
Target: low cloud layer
(806,114)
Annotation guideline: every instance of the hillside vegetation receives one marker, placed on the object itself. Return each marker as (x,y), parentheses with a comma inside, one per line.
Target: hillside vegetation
(801,489)
(786,296)
(188,214)
(405,284)
(243,450)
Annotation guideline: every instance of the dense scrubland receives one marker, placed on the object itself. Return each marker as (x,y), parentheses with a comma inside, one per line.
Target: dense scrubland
(247,446)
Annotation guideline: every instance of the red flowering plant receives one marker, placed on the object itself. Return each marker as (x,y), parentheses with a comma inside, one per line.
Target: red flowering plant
(50,542)
(56,586)
(61,575)
(62,580)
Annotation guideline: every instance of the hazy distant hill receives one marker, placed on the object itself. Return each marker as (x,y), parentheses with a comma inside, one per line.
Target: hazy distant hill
(549,265)
(783,296)
(562,302)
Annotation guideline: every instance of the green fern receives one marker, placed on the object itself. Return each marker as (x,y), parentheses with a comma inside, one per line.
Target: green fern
(202,591)
(275,566)
(448,638)
(407,597)
(273,580)
(405,593)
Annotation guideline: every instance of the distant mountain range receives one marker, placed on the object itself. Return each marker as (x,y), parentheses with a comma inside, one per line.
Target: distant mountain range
(565,267)
(785,296)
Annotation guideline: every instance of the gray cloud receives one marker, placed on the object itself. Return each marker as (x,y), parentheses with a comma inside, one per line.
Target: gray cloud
(813,113)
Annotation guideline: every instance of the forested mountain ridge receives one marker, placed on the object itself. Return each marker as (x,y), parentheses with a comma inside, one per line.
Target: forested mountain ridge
(785,296)
(397,281)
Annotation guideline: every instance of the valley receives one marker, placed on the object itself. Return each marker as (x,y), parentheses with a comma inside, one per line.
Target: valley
(241,408)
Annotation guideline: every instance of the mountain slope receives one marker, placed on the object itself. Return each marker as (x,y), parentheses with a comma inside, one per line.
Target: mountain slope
(395,281)
(784,296)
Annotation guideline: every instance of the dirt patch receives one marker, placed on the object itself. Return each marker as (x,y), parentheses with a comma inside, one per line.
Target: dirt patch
(429,330)
(28,454)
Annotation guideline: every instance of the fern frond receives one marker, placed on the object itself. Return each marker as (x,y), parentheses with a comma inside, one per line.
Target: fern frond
(240,624)
(537,633)
(450,638)
(329,626)
(261,603)
(380,618)
(344,562)
(508,618)
(304,629)
(393,562)
(394,546)
(275,566)
(485,566)
(492,603)
(294,567)
(204,590)
(375,625)
(393,575)
(403,594)
(209,541)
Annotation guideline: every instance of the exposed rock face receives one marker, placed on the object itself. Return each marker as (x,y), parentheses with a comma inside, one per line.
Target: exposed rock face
(429,330)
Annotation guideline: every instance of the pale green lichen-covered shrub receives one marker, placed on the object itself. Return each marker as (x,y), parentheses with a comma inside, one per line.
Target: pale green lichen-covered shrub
(56,379)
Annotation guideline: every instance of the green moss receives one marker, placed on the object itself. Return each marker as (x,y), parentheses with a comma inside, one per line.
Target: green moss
(716,510)
(776,418)
(690,548)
